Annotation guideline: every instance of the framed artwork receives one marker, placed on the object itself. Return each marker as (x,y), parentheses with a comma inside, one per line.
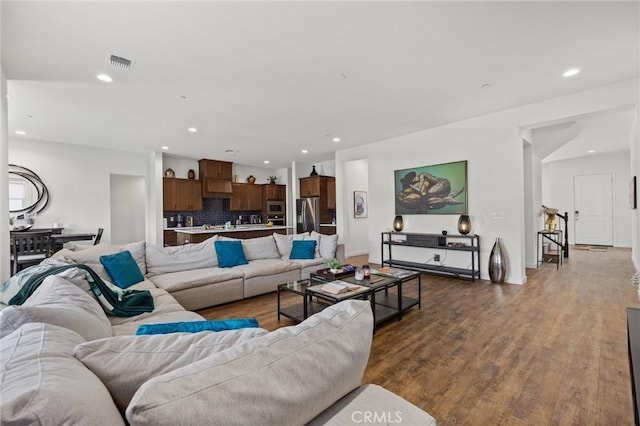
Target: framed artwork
(633,193)
(360,206)
(437,189)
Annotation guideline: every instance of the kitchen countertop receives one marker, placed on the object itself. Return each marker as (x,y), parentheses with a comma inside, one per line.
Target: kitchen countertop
(218,229)
(328,224)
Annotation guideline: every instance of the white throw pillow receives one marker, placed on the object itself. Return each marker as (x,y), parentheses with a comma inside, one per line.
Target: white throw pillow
(90,256)
(42,383)
(124,363)
(327,245)
(284,243)
(59,302)
(260,248)
(288,376)
(161,260)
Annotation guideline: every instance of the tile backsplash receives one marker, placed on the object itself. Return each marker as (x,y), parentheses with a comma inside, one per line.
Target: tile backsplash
(215,211)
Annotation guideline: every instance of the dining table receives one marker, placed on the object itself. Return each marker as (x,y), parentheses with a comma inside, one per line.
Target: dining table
(58,240)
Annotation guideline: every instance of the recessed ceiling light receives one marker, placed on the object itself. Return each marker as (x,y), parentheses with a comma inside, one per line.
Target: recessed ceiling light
(266,161)
(29,116)
(304,151)
(340,76)
(485,86)
(192,129)
(20,132)
(164,147)
(336,139)
(591,151)
(104,77)
(571,72)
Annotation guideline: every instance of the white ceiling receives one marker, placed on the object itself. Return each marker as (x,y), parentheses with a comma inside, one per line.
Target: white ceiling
(260,77)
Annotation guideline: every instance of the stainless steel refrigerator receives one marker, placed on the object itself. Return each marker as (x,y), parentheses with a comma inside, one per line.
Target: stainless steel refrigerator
(307,215)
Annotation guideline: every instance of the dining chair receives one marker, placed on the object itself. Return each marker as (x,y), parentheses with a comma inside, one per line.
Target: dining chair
(96,241)
(29,248)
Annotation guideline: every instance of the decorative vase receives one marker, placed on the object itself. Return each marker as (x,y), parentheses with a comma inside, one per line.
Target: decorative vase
(497,264)
(333,270)
(313,172)
(191,174)
(251,179)
(464,224)
(398,223)
(550,223)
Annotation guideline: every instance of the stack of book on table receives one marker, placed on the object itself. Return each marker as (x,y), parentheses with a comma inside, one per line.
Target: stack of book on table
(340,287)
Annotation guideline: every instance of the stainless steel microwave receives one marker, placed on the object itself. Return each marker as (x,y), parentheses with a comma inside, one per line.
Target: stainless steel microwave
(275,207)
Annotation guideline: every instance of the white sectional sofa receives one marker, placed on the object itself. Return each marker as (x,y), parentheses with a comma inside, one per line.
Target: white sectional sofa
(63,360)
(191,274)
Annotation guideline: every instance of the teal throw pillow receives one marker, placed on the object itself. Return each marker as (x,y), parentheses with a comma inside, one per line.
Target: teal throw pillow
(303,249)
(122,269)
(197,326)
(230,253)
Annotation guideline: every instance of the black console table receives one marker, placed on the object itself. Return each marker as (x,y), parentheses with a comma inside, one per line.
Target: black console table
(466,243)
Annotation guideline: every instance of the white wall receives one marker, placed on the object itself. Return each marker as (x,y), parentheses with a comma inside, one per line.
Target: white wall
(635,171)
(492,144)
(558,189)
(5,271)
(532,202)
(355,178)
(127,208)
(181,167)
(78,179)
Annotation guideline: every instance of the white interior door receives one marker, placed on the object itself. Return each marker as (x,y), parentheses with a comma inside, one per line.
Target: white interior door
(593,209)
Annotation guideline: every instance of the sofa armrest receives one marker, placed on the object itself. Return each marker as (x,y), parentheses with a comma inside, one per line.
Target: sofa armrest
(373,404)
(340,252)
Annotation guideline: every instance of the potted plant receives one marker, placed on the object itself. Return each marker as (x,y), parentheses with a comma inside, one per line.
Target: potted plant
(333,265)
(272,179)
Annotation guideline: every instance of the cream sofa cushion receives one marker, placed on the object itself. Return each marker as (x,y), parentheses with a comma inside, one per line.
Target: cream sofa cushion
(166,309)
(42,383)
(262,267)
(90,256)
(161,260)
(124,363)
(182,280)
(285,377)
(284,243)
(327,245)
(260,248)
(59,302)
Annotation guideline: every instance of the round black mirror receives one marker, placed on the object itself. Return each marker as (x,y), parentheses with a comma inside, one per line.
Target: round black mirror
(27,192)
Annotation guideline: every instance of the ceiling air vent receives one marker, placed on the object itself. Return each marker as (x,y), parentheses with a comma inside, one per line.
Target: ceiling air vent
(119,63)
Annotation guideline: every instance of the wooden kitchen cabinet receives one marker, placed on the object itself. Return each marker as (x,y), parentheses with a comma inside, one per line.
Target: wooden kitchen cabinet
(274,192)
(331,192)
(310,186)
(216,178)
(170,238)
(319,186)
(245,197)
(216,169)
(181,195)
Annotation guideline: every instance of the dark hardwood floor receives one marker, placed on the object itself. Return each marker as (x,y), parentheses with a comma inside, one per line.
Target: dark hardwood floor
(553,351)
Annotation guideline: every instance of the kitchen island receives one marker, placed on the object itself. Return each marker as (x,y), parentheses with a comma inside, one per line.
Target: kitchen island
(198,233)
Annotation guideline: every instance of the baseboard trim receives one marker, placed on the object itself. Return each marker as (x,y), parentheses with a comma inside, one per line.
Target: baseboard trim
(359,253)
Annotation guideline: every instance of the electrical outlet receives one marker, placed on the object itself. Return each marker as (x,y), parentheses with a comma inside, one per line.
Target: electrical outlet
(436,257)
